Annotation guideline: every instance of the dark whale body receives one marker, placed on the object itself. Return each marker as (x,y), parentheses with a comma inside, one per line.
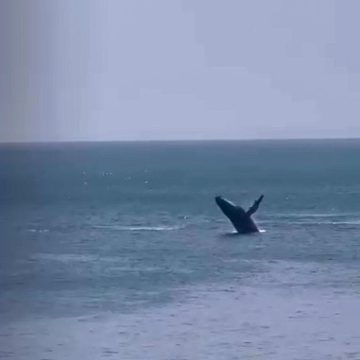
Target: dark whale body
(241,219)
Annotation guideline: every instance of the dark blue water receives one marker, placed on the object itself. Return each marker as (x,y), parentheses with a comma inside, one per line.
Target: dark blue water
(89,228)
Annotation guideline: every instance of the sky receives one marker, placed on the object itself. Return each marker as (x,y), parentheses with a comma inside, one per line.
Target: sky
(178,69)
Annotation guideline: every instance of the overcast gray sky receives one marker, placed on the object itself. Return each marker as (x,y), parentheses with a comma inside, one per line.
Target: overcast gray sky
(178,69)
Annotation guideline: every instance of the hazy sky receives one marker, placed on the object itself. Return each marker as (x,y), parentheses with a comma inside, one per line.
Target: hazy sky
(178,69)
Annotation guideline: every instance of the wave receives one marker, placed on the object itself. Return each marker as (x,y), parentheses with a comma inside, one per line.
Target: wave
(309,222)
(138,228)
(313,218)
(63,257)
(354,222)
(38,230)
(315,215)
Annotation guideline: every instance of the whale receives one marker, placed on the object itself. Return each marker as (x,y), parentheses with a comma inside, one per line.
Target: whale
(240,219)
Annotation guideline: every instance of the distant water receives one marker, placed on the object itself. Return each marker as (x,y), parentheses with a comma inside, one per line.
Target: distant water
(117,251)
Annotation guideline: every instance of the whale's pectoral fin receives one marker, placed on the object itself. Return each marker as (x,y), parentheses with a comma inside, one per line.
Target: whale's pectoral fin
(255,206)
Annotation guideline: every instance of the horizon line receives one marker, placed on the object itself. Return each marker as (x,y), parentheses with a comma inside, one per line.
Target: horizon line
(19,142)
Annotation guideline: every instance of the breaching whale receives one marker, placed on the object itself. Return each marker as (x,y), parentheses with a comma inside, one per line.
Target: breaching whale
(241,219)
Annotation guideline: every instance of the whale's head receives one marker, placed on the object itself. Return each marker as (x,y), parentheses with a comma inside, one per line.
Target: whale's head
(229,208)
(218,199)
(221,202)
(225,205)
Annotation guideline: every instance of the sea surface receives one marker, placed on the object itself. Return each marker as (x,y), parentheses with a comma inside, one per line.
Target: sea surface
(118,251)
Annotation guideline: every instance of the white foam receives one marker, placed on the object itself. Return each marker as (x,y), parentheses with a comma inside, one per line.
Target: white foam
(138,228)
(38,230)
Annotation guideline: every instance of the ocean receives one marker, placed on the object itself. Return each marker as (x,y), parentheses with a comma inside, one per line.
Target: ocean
(118,251)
